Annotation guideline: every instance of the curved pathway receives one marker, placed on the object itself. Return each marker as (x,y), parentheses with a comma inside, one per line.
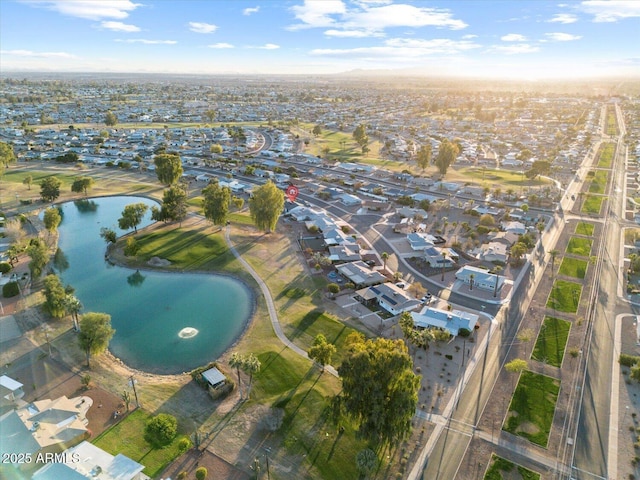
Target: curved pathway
(273,314)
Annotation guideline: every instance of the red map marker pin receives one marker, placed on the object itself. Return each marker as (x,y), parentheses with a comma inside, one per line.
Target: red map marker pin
(292,193)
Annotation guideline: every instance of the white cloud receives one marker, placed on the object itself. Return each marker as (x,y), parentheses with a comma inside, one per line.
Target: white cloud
(200,27)
(401,15)
(119,26)
(469,36)
(563,18)
(269,46)
(146,41)
(30,53)
(611,10)
(513,37)
(562,37)
(515,48)
(352,33)
(89,9)
(250,10)
(401,49)
(221,45)
(317,14)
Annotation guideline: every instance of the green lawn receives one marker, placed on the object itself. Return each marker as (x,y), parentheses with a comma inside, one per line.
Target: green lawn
(185,249)
(532,407)
(552,341)
(127,437)
(592,204)
(565,296)
(503,177)
(605,155)
(500,466)
(612,124)
(580,246)
(304,331)
(573,267)
(584,228)
(599,182)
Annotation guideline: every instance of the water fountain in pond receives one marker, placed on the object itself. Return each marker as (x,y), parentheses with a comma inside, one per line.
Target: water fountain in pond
(188,332)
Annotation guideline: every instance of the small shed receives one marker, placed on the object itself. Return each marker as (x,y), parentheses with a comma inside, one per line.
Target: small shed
(214,377)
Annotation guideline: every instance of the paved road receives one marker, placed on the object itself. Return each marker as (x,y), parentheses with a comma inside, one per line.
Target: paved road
(273,313)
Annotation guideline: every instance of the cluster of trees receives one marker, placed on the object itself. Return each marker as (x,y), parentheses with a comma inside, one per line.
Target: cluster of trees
(361,138)
(249,364)
(423,157)
(447,153)
(423,337)
(174,205)
(539,167)
(379,389)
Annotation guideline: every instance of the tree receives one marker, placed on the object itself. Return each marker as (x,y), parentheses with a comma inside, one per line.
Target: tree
(126,398)
(55,296)
(471,279)
(321,351)
(50,189)
(210,115)
(237,361)
(539,167)
(216,148)
(110,119)
(317,130)
(168,168)
(28,181)
(201,473)
(51,219)
(423,159)
(379,388)
(216,203)
(417,290)
(385,257)
(250,365)
(174,205)
(525,335)
(444,263)
(73,306)
(360,135)
(553,254)
(82,185)
(132,216)
(366,461)
(265,206)
(447,153)
(516,366)
(161,430)
(108,235)
(39,254)
(95,333)
(497,269)
(518,250)
(7,156)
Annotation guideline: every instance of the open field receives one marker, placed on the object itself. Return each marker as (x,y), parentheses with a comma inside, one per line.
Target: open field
(552,341)
(605,154)
(502,469)
(126,437)
(592,204)
(612,123)
(579,246)
(532,407)
(565,296)
(584,228)
(573,267)
(599,182)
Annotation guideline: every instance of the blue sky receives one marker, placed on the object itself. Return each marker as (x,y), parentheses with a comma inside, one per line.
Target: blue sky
(503,39)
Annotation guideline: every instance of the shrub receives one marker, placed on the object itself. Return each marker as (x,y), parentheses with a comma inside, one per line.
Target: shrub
(5,267)
(628,360)
(201,473)
(161,430)
(184,444)
(131,248)
(182,475)
(464,332)
(10,289)
(333,288)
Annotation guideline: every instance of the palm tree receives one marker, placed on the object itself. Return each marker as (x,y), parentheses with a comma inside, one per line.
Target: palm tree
(444,262)
(251,366)
(385,257)
(471,277)
(366,461)
(237,361)
(497,271)
(73,307)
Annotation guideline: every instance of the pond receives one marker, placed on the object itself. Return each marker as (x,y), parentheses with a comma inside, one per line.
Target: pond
(165,322)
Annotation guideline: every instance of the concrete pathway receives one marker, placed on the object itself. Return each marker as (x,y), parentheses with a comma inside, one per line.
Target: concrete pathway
(273,314)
